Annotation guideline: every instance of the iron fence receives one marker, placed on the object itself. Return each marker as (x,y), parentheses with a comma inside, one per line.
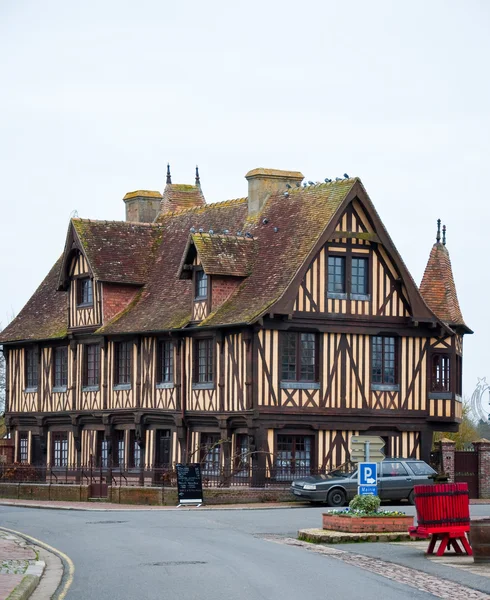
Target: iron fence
(274,476)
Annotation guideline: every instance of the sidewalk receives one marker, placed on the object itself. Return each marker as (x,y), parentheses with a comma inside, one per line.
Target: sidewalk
(109,506)
(26,570)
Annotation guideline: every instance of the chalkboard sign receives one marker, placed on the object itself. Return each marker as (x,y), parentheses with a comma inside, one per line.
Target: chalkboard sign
(189,483)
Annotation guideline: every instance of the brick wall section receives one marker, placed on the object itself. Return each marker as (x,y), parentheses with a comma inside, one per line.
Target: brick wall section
(116,298)
(366,524)
(447,458)
(483,448)
(222,288)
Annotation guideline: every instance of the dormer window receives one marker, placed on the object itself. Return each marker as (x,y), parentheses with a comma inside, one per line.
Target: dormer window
(85,292)
(201,285)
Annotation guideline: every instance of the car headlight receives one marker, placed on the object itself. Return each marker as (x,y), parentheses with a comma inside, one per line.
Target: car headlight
(309,486)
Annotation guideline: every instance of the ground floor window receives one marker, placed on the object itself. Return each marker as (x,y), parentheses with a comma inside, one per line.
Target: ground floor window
(294,456)
(23,447)
(102,454)
(59,448)
(119,456)
(134,454)
(241,464)
(210,453)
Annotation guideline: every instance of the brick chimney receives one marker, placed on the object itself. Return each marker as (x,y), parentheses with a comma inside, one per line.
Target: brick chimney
(142,206)
(264,182)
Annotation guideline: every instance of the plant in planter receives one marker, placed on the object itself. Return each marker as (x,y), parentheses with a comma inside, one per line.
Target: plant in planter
(364,516)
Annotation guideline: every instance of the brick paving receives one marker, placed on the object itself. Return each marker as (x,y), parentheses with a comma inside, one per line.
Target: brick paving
(16,561)
(437,586)
(8,583)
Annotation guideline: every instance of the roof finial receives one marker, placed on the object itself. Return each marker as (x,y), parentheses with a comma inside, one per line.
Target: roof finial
(169,178)
(198,181)
(438,236)
(444,235)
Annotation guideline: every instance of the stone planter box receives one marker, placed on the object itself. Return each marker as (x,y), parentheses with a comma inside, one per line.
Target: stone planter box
(366,524)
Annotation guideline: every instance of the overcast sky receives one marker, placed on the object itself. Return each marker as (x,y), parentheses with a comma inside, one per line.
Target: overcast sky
(97,96)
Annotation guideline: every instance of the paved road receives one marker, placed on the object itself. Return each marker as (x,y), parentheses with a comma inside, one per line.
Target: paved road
(202,555)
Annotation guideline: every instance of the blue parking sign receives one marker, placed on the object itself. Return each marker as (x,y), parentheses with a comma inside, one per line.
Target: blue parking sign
(368,473)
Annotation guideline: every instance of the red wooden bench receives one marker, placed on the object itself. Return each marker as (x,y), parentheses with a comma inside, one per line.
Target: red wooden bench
(443,513)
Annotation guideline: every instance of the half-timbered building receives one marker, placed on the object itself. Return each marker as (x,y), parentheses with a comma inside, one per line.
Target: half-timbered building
(272,327)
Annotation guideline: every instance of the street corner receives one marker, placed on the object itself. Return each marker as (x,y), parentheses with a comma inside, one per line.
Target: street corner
(31,568)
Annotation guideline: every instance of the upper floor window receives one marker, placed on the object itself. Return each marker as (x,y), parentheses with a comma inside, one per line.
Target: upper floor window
(204,361)
(85,291)
(336,275)
(59,449)
(383,360)
(165,372)
(91,367)
(61,367)
(359,280)
(201,285)
(441,372)
(32,368)
(122,363)
(299,357)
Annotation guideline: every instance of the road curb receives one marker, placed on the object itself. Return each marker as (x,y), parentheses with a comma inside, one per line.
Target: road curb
(25,588)
(138,508)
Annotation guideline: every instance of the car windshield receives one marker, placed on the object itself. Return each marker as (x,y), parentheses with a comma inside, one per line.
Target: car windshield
(421,468)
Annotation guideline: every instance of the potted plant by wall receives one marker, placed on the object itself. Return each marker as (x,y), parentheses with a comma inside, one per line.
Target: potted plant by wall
(364,516)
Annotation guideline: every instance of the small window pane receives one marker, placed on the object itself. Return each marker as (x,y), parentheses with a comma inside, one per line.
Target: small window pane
(359,276)
(336,274)
(123,363)
(31,368)
(92,365)
(441,381)
(205,361)
(201,284)
(166,362)
(61,367)
(307,372)
(85,295)
(23,447)
(289,357)
(383,360)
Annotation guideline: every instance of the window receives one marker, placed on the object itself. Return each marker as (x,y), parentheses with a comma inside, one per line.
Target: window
(359,280)
(119,456)
(91,376)
(459,375)
(134,458)
(59,449)
(204,360)
(210,453)
(60,367)
(336,275)
(23,447)
(294,455)
(85,291)
(383,369)
(242,454)
(299,357)
(393,469)
(122,363)
(165,362)
(102,452)
(441,381)
(31,368)
(201,284)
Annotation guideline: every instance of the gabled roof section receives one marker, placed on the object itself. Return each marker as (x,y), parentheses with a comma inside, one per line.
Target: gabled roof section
(44,317)
(439,290)
(179,196)
(117,251)
(226,254)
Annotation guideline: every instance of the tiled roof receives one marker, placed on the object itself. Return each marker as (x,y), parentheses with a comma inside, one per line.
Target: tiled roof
(118,251)
(44,316)
(289,228)
(225,254)
(178,196)
(438,288)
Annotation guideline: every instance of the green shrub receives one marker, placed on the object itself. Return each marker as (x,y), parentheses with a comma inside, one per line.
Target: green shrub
(368,504)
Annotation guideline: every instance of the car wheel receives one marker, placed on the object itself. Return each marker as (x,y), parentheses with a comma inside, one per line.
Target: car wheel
(336,498)
(411,497)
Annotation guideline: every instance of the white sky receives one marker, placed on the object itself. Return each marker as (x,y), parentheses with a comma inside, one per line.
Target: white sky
(97,96)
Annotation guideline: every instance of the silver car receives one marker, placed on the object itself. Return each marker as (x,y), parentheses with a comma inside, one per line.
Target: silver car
(396,478)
